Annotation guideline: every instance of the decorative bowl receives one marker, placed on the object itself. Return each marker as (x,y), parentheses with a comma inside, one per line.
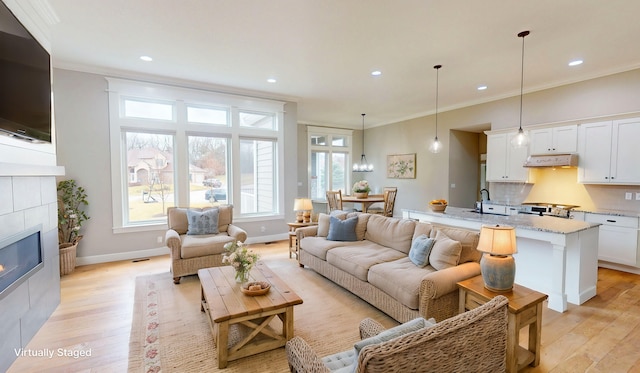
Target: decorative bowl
(255,288)
(438,207)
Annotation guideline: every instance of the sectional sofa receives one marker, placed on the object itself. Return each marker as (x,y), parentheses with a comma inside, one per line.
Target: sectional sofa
(379,263)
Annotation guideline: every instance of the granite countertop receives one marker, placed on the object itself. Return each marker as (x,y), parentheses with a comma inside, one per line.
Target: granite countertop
(521,221)
(633,214)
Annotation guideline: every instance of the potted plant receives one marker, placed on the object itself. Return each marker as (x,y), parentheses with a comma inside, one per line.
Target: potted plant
(72,199)
(361,189)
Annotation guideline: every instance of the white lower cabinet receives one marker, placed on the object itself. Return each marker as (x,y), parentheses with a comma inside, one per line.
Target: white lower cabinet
(618,238)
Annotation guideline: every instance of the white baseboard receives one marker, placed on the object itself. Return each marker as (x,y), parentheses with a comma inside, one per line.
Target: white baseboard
(619,267)
(131,255)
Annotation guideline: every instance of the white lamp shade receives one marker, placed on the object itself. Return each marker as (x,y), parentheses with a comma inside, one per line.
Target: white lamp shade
(497,240)
(302,204)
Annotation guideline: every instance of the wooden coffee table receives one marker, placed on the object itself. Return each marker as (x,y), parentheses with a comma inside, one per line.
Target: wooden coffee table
(241,324)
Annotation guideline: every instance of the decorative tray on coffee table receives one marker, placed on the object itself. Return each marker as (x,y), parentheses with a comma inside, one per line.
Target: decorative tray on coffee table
(255,288)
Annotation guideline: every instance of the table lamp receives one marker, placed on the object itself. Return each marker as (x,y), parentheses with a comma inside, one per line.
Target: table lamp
(303,207)
(497,265)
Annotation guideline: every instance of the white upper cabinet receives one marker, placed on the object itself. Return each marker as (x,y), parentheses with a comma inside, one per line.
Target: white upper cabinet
(504,163)
(554,140)
(609,152)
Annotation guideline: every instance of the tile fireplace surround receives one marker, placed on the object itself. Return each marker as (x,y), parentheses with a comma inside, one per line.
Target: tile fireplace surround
(28,198)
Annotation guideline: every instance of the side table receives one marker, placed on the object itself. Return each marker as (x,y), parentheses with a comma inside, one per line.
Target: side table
(525,309)
(292,236)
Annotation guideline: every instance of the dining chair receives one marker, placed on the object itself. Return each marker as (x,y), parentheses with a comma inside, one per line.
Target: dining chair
(385,208)
(334,198)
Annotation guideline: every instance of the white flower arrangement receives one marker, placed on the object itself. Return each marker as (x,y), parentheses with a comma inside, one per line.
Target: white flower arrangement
(361,186)
(240,257)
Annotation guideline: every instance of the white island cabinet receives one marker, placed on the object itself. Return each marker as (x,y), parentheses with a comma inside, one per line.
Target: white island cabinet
(557,257)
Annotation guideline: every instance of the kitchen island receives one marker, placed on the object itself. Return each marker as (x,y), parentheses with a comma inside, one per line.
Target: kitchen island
(556,256)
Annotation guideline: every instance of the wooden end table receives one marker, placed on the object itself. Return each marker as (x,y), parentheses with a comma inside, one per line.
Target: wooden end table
(525,309)
(292,235)
(246,318)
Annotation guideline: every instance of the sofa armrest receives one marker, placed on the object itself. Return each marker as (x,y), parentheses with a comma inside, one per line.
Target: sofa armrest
(309,231)
(369,328)
(302,358)
(438,283)
(238,233)
(439,293)
(173,241)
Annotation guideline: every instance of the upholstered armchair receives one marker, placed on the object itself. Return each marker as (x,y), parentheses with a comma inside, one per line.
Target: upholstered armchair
(196,238)
(474,341)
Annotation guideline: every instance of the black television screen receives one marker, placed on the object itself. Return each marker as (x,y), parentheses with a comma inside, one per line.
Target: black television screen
(25,82)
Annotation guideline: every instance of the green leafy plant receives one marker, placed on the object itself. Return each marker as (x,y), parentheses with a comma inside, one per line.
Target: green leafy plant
(72,199)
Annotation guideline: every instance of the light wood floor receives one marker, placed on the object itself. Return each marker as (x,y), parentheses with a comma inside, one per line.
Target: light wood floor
(602,335)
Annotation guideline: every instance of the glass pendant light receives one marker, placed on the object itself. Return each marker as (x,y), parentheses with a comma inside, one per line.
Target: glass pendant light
(436,145)
(363,166)
(521,140)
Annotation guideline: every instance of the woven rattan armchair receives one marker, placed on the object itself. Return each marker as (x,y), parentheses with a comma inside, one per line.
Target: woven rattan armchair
(474,341)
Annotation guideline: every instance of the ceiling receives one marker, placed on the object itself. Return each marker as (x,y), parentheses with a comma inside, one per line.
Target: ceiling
(322,52)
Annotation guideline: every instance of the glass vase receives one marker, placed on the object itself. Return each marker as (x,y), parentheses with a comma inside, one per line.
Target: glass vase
(242,275)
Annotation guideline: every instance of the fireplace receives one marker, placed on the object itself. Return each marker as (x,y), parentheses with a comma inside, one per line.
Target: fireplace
(20,257)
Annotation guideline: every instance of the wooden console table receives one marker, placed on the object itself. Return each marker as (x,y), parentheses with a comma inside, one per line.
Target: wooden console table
(525,309)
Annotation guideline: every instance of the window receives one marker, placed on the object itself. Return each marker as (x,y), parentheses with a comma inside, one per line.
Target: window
(258,176)
(175,146)
(329,154)
(208,170)
(150,188)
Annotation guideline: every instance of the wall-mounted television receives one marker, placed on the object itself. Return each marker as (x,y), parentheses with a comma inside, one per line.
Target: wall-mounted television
(25,82)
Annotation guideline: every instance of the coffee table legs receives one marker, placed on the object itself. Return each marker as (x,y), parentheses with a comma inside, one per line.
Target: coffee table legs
(254,325)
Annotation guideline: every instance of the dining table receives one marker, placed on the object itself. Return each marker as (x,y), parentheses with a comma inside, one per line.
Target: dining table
(366,202)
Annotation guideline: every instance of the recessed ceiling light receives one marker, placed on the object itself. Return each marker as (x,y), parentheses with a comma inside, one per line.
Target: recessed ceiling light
(575,62)
(271,80)
(376,73)
(482,87)
(146,58)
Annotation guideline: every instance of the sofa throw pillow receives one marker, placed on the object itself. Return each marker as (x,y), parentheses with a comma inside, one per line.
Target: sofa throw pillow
(203,222)
(342,230)
(420,249)
(397,331)
(445,252)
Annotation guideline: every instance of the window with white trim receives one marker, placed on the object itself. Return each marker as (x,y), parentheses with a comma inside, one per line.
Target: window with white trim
(173,146)
(329,165)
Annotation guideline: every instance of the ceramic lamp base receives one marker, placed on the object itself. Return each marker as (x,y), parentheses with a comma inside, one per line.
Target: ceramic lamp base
(299,217)
(498,272)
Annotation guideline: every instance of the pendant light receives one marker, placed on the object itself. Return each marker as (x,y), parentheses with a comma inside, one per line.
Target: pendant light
(364,166)
(521,140)
(436,145)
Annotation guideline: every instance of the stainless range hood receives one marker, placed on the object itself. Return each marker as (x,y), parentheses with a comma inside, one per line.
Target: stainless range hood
(554,160)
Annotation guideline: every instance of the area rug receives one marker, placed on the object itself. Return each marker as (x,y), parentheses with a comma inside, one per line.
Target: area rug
(169,333)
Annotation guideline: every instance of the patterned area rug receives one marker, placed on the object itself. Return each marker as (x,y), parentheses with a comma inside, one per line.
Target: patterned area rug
(169,333)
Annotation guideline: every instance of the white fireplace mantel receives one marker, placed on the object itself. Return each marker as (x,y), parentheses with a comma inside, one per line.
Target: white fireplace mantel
(14,169)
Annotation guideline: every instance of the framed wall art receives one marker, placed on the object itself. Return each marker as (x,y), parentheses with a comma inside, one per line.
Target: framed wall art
(401,166)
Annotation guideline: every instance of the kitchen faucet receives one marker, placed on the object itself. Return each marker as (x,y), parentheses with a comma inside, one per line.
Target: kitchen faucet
(485,190)
(482,198)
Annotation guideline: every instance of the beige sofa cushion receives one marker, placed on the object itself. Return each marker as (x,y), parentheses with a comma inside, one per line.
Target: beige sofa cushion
(390,232)
(467,238)
(177,218)
(400,279)
(202,245)
(422,228)
(445,252)
(318,246)
(359,256)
